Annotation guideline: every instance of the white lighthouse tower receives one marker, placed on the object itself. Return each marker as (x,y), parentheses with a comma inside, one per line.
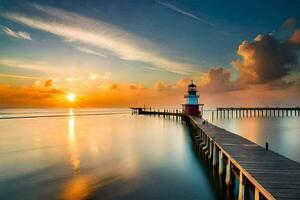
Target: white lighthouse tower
(192,101)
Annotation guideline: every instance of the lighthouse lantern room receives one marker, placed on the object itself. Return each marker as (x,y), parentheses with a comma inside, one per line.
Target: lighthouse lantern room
(192,105)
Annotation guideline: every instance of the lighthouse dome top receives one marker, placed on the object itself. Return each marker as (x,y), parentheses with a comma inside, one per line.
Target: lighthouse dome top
(192,84)
(192,87)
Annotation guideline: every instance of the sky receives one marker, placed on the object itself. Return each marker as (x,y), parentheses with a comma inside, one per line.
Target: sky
(122,53)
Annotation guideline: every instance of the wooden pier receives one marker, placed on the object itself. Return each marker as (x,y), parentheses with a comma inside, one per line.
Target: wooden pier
(158,112)
(240,112)
(261,173)
(256,172)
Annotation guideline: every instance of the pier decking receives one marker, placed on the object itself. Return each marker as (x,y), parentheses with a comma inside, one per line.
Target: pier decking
(272,176)
(261,173)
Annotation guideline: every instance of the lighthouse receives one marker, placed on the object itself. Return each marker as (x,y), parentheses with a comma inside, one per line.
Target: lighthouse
(192,101)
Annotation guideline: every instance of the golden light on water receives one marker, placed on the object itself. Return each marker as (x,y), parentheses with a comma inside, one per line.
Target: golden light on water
(73,148)
(77,188)
(71,126)
(71,97)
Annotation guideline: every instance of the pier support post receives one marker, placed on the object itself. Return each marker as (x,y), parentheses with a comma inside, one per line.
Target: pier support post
(202,145)
(228,172)
(206,147)
(256,194)
(215,160)
(220,163)
(210,149)
(197,140)
(241,188)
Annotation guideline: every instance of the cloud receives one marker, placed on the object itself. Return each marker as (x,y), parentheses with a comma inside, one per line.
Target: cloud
(185,13)
(183,83)
(106,75)
(162,86)
(151,68)
(138,86)
(289,23)
(16,34)
(27,96)
(31,65)
(219,80)
(75,79)
(265,59)
(18,76)
(295,38)
(178,10)
(111,86)
(88,51)
(76,28)
(114,86)
(48,83)
(93,76)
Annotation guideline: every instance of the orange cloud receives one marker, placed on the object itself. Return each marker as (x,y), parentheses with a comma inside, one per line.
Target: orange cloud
(218,80)
(30,96)
(161,86)
(48,83)
(295,38)
(138,86)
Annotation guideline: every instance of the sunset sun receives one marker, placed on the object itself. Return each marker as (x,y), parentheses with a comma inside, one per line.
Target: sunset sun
(71,97)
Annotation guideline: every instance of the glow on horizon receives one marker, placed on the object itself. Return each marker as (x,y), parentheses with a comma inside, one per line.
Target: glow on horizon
(71,97)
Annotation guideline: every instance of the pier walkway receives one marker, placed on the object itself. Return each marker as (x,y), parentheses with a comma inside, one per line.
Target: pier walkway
(268,174)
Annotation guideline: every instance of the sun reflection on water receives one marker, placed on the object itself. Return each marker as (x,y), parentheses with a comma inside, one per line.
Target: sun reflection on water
(77,188)
(71,126)
(73,151)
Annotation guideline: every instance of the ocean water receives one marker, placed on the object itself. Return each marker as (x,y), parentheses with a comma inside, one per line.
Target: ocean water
(281,133)
(97,154)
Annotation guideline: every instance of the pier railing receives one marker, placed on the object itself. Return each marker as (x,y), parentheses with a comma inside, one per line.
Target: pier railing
(240,112)
(159,112)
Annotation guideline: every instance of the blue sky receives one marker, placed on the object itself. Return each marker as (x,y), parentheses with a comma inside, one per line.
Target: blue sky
(130,41)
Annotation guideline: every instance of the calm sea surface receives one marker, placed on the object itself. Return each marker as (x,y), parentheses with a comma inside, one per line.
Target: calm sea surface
(76,154)
(282,133)
(111,154)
